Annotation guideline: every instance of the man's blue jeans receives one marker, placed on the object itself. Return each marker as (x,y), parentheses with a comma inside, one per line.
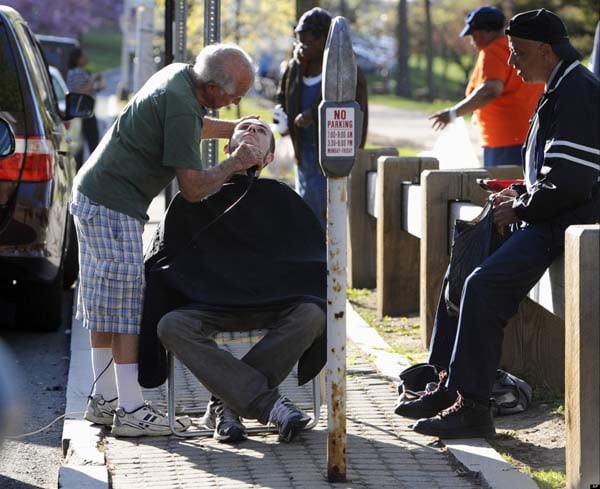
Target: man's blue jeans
(470,347)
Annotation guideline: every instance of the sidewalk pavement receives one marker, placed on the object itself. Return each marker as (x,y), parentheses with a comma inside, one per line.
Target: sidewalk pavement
(382,450)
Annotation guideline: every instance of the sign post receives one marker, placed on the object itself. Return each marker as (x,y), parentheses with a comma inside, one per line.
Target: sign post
(340,127)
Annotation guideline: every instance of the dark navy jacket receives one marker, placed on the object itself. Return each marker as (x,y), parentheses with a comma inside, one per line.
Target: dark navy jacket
(564,144)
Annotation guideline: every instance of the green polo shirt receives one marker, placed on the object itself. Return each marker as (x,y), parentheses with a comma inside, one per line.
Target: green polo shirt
(158,131)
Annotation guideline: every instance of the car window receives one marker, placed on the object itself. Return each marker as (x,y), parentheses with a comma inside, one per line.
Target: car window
(10,94)
(60,88)
(37,68)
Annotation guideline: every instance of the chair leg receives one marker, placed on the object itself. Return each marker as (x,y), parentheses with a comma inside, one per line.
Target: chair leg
(171,404)
(316,389)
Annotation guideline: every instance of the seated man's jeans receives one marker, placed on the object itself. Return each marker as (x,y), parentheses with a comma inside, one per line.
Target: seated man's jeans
(248,386)
(471,346)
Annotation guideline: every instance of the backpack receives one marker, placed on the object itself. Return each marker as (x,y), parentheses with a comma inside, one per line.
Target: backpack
(510,394)
(415,380)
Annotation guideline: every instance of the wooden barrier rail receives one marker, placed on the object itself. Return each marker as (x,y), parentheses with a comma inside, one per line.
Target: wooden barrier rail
(582,355)
(362,227)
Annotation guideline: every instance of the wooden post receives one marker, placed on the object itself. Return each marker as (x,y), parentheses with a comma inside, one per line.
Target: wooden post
(439,188)
(582,355)
(397,251)
(362,228)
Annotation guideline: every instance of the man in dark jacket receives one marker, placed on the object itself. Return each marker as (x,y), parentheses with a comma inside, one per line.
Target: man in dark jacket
(251,256)
(299,96)
(561,162)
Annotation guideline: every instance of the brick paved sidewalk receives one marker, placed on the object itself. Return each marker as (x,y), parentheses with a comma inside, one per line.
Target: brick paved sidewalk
(382,451)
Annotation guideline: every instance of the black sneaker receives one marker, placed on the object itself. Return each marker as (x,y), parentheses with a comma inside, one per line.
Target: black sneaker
(228,425)
(430,403)
(288,419)
(466,418)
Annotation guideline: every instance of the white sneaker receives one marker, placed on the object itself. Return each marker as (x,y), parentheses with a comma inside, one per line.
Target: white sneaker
(99,410)
(145,421)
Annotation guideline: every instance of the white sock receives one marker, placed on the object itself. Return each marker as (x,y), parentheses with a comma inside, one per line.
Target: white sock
(130,392)
(105,381)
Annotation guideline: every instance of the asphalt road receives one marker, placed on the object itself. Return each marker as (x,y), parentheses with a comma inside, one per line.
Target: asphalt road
(42,362)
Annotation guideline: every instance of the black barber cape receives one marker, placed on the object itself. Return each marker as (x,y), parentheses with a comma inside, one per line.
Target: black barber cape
(268,249)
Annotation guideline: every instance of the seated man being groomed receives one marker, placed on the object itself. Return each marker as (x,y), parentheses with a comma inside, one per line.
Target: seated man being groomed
(251,256)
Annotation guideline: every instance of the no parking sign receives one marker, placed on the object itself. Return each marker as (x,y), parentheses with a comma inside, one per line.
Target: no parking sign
(340,129)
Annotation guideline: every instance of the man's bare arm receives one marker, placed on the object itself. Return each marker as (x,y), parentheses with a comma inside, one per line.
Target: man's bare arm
(221,129)
(481,96)
(196,185)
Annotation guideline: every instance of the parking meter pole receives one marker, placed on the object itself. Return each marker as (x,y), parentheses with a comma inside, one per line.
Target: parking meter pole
(336,329)
(340,124)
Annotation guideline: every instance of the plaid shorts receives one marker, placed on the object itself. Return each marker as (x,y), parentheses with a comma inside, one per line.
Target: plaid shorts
(111,267)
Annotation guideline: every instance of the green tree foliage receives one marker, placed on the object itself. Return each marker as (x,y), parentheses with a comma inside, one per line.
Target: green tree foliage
(258,26)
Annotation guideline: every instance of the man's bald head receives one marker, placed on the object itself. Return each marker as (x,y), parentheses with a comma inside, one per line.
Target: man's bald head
(227,66)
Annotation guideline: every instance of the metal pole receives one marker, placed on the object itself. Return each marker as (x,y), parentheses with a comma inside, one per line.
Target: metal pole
(175,51)
(180,31)
(168,32)
(336,328)
(212,34)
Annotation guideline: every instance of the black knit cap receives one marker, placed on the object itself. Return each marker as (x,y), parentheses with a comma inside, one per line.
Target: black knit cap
(544,26)
(314,20)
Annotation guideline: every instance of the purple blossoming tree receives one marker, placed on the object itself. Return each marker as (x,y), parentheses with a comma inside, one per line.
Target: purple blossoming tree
(67,17)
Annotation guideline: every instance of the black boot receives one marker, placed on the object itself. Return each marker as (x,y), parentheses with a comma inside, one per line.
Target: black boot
(430,403)
(466,418)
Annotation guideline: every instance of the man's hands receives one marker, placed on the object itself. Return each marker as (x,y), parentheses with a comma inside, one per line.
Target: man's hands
(246,156)
(441,119)
(504,214)
(304,119)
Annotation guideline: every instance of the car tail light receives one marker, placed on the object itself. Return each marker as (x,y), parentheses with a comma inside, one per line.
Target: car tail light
(38,160)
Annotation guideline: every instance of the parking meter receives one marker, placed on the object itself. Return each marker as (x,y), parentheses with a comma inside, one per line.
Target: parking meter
(340,117)
(340,130)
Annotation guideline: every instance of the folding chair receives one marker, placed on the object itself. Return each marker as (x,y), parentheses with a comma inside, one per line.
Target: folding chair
(171,396)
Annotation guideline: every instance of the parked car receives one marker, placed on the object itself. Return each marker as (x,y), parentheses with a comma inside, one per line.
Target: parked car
(58,50)
(37,240)
(74,131)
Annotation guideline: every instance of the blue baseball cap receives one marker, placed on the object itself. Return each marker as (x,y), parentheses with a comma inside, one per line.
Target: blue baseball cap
(486,18)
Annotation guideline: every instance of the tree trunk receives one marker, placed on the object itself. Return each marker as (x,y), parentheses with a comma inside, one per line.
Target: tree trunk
(429,50)
(402,74)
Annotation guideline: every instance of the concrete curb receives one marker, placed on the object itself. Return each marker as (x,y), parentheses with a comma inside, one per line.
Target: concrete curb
(476,454)
(84,465)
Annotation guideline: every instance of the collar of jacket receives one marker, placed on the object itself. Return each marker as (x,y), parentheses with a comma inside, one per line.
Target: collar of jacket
(559,76)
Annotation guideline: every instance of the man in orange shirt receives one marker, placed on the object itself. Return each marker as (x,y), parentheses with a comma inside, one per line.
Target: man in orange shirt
(499,99)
